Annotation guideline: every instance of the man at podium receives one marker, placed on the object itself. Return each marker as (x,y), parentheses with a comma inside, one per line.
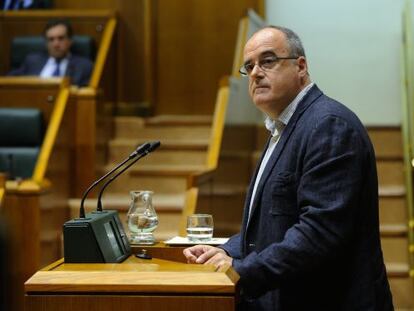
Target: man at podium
(310,233)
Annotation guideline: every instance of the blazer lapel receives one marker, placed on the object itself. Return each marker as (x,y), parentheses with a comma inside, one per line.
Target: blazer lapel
(309,98)
(250,189)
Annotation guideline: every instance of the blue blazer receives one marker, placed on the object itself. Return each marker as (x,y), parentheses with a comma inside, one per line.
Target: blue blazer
(79,68)
(312,241)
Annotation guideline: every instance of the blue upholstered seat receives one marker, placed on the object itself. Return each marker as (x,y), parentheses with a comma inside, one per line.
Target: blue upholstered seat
(21,136)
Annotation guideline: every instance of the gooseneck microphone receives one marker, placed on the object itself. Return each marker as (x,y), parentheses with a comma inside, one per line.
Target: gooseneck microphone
(143,149)
(152,146)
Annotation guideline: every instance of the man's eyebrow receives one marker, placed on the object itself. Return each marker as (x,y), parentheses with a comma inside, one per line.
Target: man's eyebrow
(263,54)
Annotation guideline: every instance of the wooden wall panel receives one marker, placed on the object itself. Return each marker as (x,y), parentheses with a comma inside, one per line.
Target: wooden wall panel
(195,42)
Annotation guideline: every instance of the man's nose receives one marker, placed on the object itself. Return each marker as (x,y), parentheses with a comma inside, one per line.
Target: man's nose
(256,71)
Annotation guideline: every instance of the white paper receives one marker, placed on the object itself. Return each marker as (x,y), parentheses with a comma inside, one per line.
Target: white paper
(179,240)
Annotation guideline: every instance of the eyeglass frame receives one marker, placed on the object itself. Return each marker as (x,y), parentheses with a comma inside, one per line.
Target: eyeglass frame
(245,73)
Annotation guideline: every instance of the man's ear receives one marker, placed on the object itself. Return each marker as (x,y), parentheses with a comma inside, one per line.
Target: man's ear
(302,66)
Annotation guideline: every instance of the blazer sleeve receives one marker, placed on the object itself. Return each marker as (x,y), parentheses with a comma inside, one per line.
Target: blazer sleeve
(328,193)
(232,246)
(21,71)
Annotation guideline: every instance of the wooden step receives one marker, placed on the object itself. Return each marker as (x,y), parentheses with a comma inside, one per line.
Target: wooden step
(390,172)
(135,128)
(387,142)
(394,242)
(158,178)
(201,132)
(394,230)
(395,249)
(119,150)
(402,291)
(392,205)
(174,120)
(167,206)
(195,144)
(401,286)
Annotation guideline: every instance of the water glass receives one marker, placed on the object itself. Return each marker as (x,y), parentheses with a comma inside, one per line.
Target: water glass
(200,227)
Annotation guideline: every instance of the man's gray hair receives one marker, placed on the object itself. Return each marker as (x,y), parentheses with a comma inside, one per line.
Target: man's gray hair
(294,43)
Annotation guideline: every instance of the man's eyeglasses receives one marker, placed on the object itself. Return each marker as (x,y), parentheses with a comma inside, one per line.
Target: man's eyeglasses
(265,64)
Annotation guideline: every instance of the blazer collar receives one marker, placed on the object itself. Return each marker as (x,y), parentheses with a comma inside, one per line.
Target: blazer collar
(306,101)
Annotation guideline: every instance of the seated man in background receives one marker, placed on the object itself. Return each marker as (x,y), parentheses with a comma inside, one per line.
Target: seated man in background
(59,61)
(24,4)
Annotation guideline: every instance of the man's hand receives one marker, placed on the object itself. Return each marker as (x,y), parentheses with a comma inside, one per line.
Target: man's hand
(206,254)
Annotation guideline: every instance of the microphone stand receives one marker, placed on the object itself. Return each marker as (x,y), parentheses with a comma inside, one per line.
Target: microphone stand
(99,207)
(153,145)
(140,150)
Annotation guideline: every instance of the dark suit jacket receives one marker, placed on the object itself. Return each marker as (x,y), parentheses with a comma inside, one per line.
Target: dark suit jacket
(312,242)
(79,68)
(36,4)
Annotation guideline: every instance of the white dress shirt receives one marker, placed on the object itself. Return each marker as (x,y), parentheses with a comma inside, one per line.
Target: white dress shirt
(50,67)
(276,129)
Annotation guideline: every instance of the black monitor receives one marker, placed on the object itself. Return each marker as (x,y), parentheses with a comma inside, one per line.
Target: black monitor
(99,237)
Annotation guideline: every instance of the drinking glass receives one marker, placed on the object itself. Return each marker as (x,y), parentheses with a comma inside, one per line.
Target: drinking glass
(200,227)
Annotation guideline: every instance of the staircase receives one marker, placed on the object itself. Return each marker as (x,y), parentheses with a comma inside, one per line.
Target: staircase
(183,151)
(393,213)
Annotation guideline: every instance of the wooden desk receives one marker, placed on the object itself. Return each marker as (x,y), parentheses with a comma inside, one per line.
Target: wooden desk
(135,284)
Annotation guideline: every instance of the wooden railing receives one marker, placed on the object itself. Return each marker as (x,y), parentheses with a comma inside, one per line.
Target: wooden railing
(218,124)
(407,125)
(103,52)
(2,190)
(51,133)
(240,42)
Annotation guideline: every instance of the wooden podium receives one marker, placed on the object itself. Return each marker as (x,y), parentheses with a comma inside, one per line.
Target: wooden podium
(135,284)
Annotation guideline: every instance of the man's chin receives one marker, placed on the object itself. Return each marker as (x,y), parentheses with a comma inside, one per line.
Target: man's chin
(57,55)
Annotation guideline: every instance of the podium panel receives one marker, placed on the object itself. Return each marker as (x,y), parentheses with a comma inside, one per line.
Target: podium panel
(135,284)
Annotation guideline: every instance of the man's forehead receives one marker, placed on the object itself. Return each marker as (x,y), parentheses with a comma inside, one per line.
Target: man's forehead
(265,41)
(56,30)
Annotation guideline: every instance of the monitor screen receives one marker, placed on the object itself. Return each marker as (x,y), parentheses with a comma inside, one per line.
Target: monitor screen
(112,239)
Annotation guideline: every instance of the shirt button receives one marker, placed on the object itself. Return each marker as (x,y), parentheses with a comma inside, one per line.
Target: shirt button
(252,245)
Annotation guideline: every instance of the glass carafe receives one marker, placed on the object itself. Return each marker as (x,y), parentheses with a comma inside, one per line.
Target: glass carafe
(142,218)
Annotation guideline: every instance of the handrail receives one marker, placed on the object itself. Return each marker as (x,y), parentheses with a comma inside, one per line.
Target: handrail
(218,124)
(103,52)
(51,133)
(407,97)
(240,42)
(72,13)
(1,196)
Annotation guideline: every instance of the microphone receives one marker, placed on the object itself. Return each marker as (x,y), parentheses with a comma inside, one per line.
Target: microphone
(140,150)
(152,146)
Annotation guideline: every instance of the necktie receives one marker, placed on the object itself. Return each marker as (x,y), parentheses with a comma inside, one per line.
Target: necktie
(56,73)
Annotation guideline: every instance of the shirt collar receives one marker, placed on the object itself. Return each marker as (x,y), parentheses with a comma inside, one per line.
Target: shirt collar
(276,126)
